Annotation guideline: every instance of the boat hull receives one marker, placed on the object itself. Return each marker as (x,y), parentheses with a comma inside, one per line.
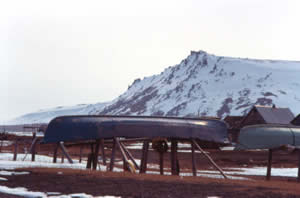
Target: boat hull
(268,137)
(79,128)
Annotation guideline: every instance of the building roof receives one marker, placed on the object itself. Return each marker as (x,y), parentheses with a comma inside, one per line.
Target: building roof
(296,120)
(274,115)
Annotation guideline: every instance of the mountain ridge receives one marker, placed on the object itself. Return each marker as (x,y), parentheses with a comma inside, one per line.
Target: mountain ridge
(208,85)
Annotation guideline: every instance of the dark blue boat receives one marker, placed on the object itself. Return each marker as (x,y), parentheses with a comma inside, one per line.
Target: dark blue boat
(81,128)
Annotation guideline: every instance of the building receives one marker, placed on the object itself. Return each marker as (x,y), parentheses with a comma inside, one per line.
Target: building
(296,121)
(233,123)
(267,115)
(258,115)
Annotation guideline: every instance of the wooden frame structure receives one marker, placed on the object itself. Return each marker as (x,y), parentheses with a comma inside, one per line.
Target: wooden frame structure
(96,131)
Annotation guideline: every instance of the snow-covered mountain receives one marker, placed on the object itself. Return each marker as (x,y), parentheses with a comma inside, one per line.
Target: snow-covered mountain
(209,85)
(46,115)
(205,85)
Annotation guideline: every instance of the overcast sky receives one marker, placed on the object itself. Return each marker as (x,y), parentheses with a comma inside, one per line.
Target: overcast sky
(57,53)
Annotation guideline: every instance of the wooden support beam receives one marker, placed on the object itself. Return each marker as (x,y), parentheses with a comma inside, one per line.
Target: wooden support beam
(90,157)
(193,159)
(32,149)
(15,150)
(144,158)
(55,153)
(112,158)
(268,176)
(89,161)
(174,160)
(209,158)
(161,163)
(95,155)
(130,156)
(64,150)
(33,154)
(80,154)
(103,151)
(33,135)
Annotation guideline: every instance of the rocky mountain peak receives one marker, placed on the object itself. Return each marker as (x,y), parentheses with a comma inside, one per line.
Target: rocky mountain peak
(209,85)
(202,85)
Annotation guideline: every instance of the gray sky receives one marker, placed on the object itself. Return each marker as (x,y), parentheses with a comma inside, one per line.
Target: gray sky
(56,53)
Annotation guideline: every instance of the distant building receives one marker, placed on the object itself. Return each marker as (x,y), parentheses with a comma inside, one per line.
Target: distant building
(267,115)
(259,115)
(296,120)
(233,126)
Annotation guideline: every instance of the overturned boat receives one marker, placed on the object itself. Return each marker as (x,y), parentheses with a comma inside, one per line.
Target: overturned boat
(268,137)
(80,128)
(157,131)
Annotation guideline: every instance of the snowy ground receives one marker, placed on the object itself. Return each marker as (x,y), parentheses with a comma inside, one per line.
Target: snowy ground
(183,147)
(7,168)
(25,133)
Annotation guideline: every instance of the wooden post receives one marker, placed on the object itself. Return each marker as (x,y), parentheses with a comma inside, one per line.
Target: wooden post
(89,161)
(193,159)
(269,164)
(298,178)
(90,157)
(33,147)
(112,158)
(144,159)
(33,154)
(15,150)
(55,153)
(33,135)
(129,155)
(174,160)
(209,158)
(103,152)
(64,150)
(161,163)
(95,156)
(80,154)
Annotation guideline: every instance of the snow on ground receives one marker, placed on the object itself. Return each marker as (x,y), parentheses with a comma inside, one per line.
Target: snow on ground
(185,146)
(19,191)
(261,171)
(7,165)
(25,133)
(258,171)
(5,143)
(9,173)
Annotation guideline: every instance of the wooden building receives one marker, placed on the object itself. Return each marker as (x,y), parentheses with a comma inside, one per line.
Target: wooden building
(296,121)
(233,123)
(258,115)
(267,115)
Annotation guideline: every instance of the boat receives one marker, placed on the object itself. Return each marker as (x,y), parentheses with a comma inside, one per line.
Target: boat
(268,137)
(91,127)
